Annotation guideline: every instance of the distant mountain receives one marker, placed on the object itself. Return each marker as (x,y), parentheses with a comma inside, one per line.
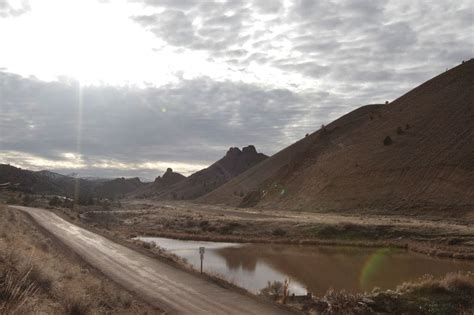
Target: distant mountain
(169,178)
(46,182)
(118,188)
(232,164)
(160,184)
(50,183)
(51,175)
(414,153)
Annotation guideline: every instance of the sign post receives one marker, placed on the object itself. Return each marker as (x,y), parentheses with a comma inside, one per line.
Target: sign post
(201,254)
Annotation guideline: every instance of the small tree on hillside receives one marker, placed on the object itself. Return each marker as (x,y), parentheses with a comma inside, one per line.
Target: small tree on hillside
(387,140)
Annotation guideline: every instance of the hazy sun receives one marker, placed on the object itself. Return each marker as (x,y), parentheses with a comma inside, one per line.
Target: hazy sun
(86,40)
(97,42)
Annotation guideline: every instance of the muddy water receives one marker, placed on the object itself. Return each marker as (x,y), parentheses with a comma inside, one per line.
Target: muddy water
(310,268)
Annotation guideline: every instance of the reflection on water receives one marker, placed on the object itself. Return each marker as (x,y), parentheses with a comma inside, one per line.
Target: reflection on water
(311,268)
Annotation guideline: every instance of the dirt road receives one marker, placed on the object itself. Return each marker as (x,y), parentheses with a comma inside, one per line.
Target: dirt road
(174,290)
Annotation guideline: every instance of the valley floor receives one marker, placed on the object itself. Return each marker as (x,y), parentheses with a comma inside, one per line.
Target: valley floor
(430,235)
(122,220)
(435,236)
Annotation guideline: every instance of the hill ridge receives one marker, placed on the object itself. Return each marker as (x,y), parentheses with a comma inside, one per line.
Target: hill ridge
(346,166)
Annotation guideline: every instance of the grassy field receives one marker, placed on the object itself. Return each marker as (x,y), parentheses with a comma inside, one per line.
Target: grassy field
(38,275)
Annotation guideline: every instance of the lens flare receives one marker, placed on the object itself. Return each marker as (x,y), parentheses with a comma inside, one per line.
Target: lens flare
(80,101)
(372,266)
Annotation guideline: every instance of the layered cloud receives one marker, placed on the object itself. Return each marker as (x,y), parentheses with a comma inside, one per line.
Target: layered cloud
(8,9)
(357,41)
(185,125)
(207,75)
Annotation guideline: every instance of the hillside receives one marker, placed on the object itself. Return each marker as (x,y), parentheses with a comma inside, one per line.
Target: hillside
(200,183)
(161,183)
(118,188)
(50,183)
(346,165)
(46,182)
(169,178)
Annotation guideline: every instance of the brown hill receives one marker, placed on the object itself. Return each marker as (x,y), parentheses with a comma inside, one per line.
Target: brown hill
(50,183)
(46,182)
(169,178)
(415,153)
(160,184)
(118,188)
(200,183)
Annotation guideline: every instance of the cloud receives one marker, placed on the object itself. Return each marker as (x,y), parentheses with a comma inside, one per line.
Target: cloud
(61,125)
(280,69)
(320,40)
(7,9)
(171,25)
(217,30)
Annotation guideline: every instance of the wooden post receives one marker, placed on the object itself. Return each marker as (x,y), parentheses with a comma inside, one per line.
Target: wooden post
(201,254)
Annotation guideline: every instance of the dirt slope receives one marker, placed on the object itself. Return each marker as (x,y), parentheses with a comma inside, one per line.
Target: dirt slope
(174,290)
(235,162)
(347,166)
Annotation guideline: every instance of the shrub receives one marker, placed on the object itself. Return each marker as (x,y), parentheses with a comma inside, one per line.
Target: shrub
(229,228)
(278,232)
(12,200)
(273,289)
(55,201)
(399,130)
(387,140)
(455,241)
(340,302)
(27,200)
(40,279)
(76,307)
(454,282)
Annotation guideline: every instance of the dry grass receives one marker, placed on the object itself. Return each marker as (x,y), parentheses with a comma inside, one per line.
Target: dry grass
(273,289)
(15,290)
(183,220)
(38,275)
(74,306)
(451,294)
(454,282)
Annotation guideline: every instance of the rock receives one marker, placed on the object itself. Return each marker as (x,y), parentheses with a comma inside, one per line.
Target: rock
(249,149)
(368,301)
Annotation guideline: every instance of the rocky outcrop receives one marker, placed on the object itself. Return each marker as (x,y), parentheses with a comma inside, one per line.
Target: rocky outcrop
(232,164)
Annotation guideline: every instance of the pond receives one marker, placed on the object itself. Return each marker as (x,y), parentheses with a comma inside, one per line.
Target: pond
(310,268)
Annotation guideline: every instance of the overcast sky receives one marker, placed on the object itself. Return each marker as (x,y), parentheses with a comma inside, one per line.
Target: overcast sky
(128,88)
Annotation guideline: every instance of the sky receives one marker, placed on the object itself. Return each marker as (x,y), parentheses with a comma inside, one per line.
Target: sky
(129,88)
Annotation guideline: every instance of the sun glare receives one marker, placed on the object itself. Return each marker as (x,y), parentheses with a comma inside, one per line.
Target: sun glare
(99,43)
(89,41)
